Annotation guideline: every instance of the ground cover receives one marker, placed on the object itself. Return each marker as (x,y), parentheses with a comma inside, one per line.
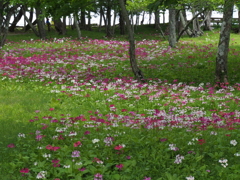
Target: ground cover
(72,110)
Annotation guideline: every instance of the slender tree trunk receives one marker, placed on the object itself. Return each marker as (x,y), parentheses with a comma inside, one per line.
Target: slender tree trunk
(157,19)
(16,20)
(83,19)
(142,21)
(172,27)
(77,26)
(223,46)
(121,23)
(89,21)
(31,25)
(40,22)
(100,21)
(238,21)
(29,19)
(108,25)
(137,72)
(6,12)
(64,26)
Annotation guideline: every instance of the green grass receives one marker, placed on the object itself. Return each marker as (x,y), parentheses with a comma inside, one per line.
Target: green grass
(104,93)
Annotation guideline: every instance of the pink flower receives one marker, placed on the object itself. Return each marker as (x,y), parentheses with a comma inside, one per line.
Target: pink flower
(52,148)
(49,147)
(51,109)
(24,170)
(11,145)
(87,132)
(147,178)
(55,148)
(82,169)
(119,166)
(76,144)
(119,147)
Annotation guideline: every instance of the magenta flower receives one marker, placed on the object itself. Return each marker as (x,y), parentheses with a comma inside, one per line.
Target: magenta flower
(87,132)
(98,176)
(119,147)
(11,145)
(24,170)
(82,169)
(76,144)
(147,178)
(119,166)
(51,109)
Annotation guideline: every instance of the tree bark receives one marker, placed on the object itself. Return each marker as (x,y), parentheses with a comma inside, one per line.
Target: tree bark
(40,22)
(77,26)
(136,71)
(16,20)
(221,75)
(172,27)
(6,12)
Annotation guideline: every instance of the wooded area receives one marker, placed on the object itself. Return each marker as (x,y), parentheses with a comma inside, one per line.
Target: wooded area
(79,15)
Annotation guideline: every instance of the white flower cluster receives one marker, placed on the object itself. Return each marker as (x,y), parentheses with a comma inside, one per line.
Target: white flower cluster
(190,178)
(173,147)
(178,159)
(223,162)
(41,175)
(233,142)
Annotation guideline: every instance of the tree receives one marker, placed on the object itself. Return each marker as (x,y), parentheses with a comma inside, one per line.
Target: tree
(136,71)
(6,11)
(221,74)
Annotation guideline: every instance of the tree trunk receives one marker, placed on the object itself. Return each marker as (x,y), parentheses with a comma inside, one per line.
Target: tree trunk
(30,20)
(142,21)
(40,22)
(77,26)
(238,20)
(137,72)
(157,19)
(31,25)
(207,21)
(223,46)
(64,26)
(108,25)
(83,19)
(196,27)
(172,27)
(121,23)
(89,21)
(16,20)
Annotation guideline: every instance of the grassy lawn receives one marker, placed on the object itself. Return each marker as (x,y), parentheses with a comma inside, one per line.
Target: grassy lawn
(71,110)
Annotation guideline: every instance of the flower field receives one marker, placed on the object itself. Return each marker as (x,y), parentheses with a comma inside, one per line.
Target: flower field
(97,122)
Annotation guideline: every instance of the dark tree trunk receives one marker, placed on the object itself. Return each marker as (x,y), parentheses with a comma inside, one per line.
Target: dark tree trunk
(77,26)
(223,46)
(121,23)
(108,25)
(83,19)
(172,27)
(16,20)
(30,20)
(157,19)
(40,22)
(137,72)
(6,12)
(89,21)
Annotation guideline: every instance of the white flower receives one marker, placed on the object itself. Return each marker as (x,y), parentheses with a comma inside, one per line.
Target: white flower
(95,141)
(213,133)
(66,166)
(233,142)
(79,163)
(21,135)
(237,154)
(190,178)
(41,175)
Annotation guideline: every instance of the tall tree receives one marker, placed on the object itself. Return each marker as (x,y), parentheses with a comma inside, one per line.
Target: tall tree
(136,71)
(221,74)
(6,11)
